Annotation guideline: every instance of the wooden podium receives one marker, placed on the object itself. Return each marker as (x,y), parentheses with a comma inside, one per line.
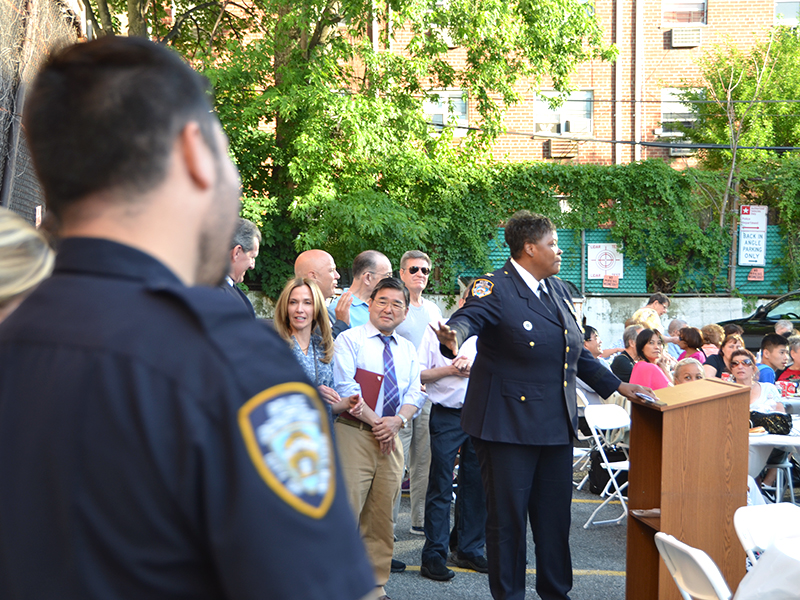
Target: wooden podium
(688,458)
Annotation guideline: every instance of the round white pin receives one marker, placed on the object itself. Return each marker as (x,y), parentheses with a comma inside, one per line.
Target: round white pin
(527,325)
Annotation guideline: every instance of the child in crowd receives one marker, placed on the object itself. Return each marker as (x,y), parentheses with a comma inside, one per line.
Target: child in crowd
(774,357)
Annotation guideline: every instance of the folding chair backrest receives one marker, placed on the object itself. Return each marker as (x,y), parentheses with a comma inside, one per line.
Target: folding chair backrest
(604,418)
(695,574)
(759,526)
(607,416)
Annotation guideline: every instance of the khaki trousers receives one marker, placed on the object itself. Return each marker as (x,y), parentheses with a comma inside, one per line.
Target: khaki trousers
(373,486)
(416,440)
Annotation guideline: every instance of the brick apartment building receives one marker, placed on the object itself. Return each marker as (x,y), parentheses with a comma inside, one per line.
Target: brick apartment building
(659,43)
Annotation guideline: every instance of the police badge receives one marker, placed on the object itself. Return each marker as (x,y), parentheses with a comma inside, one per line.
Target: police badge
(286,432)
(482,288)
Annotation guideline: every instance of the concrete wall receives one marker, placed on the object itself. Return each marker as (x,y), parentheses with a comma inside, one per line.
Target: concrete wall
(608,315)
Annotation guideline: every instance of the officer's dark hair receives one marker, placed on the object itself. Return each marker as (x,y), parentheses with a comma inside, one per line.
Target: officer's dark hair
(644,337)
(366,261)
(588,330)
(245,234)
(660,298)
(105,114)
(525,227)
(772,341)
(390,283)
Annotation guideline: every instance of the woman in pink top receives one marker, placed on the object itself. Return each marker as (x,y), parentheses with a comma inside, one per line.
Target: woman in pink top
(690,339)
(651,370)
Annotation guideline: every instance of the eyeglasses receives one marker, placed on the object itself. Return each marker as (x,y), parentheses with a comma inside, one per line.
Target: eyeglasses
(383,303)
(383,275)
(413,270)
(745,361)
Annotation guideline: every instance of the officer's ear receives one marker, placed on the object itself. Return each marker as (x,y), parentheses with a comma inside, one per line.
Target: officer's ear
(198,159)
(530,249)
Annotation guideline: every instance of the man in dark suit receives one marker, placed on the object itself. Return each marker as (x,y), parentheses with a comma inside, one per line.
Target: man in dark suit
(244,250)
(520,407)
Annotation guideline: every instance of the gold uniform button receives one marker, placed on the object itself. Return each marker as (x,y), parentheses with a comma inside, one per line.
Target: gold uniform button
(565,332)
(565,384)
(522,398)
(566,366)
(567,348)
(531,344)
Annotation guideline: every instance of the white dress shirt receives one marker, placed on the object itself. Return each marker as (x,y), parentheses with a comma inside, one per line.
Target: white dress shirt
(362,348)
(529,279)
(448,391)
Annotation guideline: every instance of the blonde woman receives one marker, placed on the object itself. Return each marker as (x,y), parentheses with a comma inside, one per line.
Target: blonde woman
(299,314)
(25,260)
(688,370)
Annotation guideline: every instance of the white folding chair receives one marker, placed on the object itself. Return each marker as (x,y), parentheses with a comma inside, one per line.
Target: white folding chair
(695,574)
(581,455)
(602,420)
(783,478)
(759,526)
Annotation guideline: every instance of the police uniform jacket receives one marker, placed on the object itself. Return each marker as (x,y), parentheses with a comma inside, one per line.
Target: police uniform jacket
(522,384)
(156,442)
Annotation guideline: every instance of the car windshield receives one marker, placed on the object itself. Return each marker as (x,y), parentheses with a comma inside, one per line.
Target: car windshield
(790,309)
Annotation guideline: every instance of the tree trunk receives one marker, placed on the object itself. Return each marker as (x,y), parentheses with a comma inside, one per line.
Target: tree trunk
(105,17)
(137,22)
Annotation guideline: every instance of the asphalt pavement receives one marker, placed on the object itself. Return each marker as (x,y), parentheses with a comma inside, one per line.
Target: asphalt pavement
(598,560)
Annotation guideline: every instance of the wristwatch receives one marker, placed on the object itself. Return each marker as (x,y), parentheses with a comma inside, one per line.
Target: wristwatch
(404,420)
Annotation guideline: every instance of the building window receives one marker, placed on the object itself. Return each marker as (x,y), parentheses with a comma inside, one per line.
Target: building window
(573,117)
(448,107)
(674,112)
(683,11)
(787,13)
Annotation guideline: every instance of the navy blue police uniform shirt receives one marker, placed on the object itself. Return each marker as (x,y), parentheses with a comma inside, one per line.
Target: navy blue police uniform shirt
(156,442)
(522,384)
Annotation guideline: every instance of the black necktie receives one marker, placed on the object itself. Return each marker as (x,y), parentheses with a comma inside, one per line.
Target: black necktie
(547,301)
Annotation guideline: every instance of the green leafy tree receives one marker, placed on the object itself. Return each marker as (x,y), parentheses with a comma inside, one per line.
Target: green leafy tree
(323,103)
(324,109)
(740,103)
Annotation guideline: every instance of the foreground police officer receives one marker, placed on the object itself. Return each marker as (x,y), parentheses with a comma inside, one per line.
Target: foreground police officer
(155,442)
(520,407)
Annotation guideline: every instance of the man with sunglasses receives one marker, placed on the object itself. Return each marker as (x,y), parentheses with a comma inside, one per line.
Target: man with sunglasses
(415,268)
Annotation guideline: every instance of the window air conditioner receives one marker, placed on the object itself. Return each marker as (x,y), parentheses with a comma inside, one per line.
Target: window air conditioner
(687,37)
(561,148)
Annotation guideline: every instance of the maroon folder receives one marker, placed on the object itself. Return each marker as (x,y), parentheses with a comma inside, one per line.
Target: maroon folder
(370,389)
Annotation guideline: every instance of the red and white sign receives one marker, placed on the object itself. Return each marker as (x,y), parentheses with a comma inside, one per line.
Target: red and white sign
(604,261)
(753,235)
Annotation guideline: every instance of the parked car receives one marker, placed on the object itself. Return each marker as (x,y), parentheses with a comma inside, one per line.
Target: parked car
(762,322)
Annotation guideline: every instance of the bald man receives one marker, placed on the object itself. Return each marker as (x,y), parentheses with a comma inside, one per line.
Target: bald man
(319,266)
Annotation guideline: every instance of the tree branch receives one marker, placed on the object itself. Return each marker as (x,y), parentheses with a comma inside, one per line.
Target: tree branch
(100,31)
(176,28)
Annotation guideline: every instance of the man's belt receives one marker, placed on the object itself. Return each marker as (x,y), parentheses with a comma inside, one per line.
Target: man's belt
(351,422)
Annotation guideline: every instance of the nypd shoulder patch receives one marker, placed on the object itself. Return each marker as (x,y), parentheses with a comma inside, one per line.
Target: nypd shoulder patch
(482,288)
(287,436)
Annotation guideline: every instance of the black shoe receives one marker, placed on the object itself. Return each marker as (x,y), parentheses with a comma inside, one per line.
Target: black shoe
(398,566)
(476,563)
(436,571)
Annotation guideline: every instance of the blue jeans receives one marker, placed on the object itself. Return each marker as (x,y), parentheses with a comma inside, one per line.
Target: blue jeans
(446,438)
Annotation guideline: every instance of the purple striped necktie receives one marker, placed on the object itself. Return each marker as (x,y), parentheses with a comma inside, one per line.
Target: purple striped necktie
(391,396)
